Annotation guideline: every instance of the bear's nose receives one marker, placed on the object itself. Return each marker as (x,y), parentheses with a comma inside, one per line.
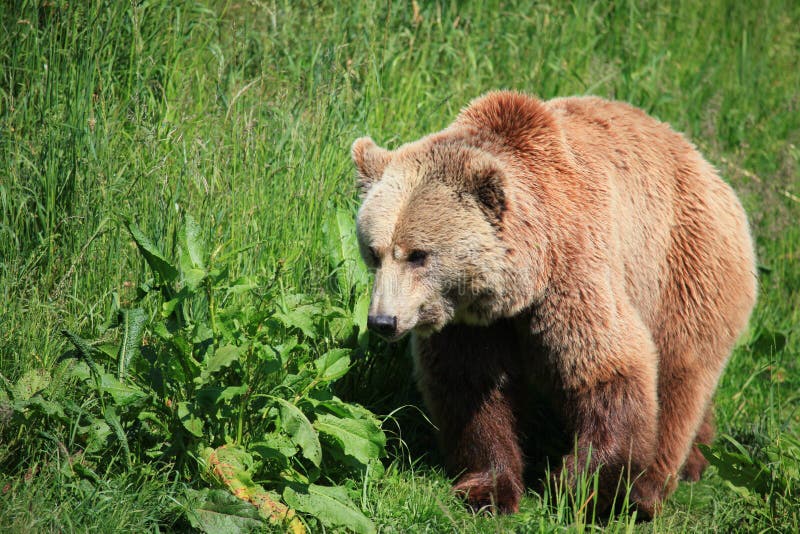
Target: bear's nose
(385,325)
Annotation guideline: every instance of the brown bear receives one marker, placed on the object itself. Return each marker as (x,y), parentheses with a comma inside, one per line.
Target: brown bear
(574,246)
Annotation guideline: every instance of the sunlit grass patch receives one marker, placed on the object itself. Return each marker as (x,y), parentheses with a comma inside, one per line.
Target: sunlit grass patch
(241,114)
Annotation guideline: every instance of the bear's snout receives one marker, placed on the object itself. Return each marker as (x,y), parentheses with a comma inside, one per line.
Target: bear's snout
(384,325)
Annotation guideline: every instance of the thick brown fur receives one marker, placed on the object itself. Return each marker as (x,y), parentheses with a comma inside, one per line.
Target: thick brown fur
(577,246)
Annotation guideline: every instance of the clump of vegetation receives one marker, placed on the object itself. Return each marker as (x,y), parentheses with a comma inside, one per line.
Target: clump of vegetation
(212,384)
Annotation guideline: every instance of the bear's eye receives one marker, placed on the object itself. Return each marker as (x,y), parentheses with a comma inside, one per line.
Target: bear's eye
(417,257)
(374,258)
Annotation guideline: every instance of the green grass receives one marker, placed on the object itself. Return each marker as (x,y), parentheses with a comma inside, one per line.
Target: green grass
(242,114)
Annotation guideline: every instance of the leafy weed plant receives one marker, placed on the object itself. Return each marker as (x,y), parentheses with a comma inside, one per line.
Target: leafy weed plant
(211,384)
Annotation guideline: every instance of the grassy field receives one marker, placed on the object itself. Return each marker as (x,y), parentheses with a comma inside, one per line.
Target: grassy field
(241,114)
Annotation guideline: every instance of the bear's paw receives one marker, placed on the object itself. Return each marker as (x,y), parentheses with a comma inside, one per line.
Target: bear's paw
(490,491)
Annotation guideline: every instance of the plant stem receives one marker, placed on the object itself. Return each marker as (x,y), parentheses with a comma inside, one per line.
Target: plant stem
(240,423)
(212,309)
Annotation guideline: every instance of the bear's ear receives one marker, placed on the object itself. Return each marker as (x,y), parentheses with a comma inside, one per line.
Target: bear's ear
(485,182)
(370,160)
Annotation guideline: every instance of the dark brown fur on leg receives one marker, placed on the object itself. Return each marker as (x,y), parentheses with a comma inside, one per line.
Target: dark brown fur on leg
(615,422)
(607,369)
(469,380)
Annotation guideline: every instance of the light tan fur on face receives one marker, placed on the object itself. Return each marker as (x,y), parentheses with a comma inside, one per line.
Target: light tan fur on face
(411,206)
(579,238)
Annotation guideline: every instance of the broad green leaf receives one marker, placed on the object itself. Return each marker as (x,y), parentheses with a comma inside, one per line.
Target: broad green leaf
(286,347)
(336,406)
(192,243)
(202,334)
(269,358)
(193,269)
(207,397)
(152,418)
(168,306)
(111,350)
(192,277)
(154,257)
(342,329)
(302,318)
(274,452)
(184,357)
(84,347)
(190,421)
(231,465)
(331,505)
(738,469)
(296,382)
(211,397)
(295,300)
(297,426)
(219,275)
(343,253)
(231,392)
(360,438)
(80,370)
(97,434)
(31,383)
(333,364)
(46,407)
(132,322)
(122,393)
(160,329)
(242,285)
(279,442)
(223,357)
(219,512)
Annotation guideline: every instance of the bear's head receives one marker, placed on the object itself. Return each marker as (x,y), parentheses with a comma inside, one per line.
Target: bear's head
(429,227)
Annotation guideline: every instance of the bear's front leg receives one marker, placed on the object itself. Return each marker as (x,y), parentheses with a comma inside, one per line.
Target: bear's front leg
(607,364)
(614,423)
(468,377)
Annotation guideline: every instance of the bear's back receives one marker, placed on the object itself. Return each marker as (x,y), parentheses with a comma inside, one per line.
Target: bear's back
(666,204)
